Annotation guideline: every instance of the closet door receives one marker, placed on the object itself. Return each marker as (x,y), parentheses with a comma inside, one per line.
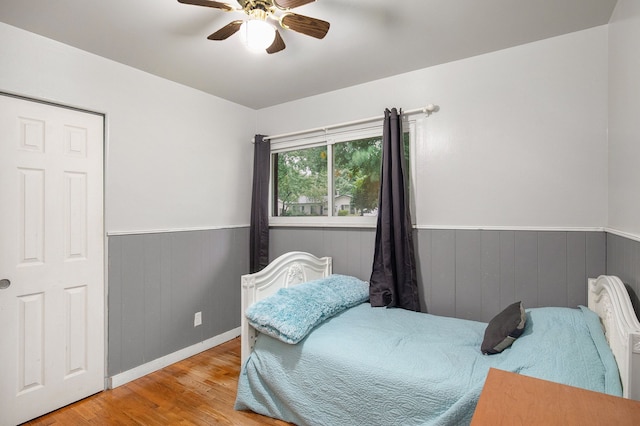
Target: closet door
(51,258)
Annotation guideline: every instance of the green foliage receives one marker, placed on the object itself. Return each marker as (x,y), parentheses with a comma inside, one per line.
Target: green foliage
(357,171)
(302,172)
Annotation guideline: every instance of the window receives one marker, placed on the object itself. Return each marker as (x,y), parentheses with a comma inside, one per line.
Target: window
(300,178)
(344,164)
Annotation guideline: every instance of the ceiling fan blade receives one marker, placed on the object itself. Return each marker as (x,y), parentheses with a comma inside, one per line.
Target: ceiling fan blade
(209,3)
(303,24)
(226,31)
(277,45)
(290,4)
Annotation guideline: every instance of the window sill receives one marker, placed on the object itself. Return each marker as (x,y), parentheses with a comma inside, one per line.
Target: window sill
(324,222)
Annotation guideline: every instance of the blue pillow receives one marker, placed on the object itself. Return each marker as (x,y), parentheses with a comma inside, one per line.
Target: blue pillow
(291,313)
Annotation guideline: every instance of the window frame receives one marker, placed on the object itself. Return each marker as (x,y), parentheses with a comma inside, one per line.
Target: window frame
(329,138)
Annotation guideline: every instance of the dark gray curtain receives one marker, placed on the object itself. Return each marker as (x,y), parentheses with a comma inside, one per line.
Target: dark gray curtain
(393,278)
(259,232)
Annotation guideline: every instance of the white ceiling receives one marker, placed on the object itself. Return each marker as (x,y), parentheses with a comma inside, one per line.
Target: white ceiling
(368,39)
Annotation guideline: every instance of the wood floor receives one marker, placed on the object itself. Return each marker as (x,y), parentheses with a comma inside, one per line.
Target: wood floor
(200,390)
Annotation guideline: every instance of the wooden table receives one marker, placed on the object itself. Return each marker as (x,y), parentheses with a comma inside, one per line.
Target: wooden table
(513,399)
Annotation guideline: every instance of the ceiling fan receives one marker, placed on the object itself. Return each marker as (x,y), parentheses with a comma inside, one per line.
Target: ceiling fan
(257,32)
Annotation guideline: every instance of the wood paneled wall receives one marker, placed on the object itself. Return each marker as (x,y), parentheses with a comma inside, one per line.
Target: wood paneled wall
(470,274)
(157,282)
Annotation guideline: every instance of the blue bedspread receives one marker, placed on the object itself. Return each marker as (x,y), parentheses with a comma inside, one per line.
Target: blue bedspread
(377,366)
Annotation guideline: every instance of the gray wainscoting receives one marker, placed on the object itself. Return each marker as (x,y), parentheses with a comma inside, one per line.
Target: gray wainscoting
(350,248)
(623,260)
(157,282)
(470,274)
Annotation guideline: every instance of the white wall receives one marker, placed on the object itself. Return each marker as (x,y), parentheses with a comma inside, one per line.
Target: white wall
(624,118)
(176,158)
(520,140)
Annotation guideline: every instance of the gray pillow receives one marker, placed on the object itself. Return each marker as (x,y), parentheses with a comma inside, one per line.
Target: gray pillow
(504,329)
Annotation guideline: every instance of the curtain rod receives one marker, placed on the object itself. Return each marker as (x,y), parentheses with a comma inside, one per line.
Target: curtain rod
(428,110)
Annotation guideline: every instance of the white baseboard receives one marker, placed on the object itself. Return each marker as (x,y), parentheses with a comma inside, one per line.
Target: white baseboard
(157,364)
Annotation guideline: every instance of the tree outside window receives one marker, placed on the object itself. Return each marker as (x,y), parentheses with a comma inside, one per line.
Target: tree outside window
(301,181)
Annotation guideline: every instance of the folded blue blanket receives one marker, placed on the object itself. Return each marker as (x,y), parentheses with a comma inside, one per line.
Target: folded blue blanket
(291,313)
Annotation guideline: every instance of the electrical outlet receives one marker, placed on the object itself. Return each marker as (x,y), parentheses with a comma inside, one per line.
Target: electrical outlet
(197,319)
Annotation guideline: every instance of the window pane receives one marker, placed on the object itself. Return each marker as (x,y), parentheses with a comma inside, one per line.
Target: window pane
(356,177)
(301,182)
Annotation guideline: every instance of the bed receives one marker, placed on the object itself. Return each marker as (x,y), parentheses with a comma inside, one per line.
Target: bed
(377,366)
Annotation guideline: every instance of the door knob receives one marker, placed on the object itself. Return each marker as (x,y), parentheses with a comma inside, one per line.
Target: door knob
(4,283)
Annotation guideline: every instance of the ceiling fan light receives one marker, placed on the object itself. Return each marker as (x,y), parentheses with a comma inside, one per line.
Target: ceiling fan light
(257,35)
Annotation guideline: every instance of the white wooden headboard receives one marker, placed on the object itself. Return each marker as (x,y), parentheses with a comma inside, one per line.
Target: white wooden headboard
(287,270)
(608,297)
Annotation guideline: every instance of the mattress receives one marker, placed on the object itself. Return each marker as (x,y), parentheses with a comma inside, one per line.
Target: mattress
(378,366)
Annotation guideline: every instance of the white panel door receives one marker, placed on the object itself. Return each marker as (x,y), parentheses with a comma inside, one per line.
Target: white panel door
(51,258)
